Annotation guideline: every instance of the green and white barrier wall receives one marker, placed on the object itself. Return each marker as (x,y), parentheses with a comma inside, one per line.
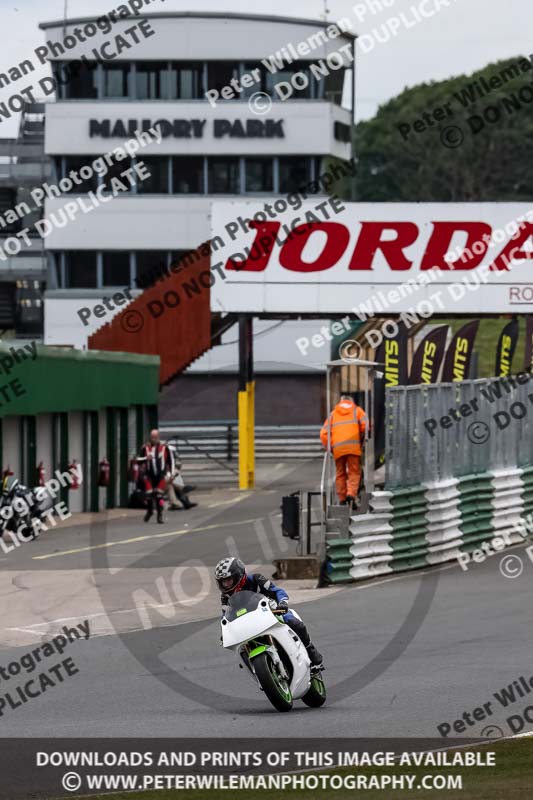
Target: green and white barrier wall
(433,523)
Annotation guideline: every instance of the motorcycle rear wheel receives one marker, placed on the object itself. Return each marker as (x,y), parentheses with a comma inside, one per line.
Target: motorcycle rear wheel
(274,686)
(316,694)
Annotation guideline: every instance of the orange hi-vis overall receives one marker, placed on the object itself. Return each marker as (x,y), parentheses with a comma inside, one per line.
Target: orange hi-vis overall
(347,426)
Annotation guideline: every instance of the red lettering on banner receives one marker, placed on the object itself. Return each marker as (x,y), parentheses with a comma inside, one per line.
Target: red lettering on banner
(261,250)
(337,240)
(256,257)
(513,249)
(370,242)
(440,241)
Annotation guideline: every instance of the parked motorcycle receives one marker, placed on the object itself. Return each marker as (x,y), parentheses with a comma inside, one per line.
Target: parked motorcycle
(19,505)
(271,651)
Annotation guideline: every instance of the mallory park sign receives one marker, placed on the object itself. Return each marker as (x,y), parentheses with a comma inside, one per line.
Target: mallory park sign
(189,128)
(379,258)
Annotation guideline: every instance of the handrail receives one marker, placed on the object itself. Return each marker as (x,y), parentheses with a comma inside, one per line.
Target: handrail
(203,452)
(324,507)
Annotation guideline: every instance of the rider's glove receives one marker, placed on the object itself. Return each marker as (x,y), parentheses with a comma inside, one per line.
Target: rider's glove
(283,605)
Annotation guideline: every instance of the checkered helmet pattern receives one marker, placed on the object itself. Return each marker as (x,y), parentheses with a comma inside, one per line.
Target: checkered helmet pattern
(223,568)
(229,569)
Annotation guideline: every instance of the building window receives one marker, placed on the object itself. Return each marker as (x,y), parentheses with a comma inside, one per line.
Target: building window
(301,88)
(294,174)
(258,85)
(188,175)
(334,86)
(8,199)
(115,171)
(224,176)
(259,175)
(80,269)
(151,80)
(75,163)
(151,265)
(186,80)
(116,268)
(221,73)
(158,182)
(76,81)
(116,80)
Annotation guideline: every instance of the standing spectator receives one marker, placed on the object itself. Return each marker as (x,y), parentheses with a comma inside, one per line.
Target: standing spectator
(346,427)
(158,465)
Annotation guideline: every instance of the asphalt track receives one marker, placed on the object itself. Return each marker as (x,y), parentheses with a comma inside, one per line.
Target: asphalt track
(403,654)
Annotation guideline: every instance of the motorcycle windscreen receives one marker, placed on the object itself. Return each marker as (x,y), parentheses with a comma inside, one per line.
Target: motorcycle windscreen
(241,603)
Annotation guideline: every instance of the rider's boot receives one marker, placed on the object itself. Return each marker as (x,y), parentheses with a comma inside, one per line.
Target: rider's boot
(317,662)
(149,509)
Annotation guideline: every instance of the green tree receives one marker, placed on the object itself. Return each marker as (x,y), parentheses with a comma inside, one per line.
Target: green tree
(481,149)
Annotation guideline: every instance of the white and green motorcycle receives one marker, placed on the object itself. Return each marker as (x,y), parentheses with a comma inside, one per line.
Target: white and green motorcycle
(271,651)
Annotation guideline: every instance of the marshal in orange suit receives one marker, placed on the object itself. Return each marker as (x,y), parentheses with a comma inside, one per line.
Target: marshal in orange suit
(347,426)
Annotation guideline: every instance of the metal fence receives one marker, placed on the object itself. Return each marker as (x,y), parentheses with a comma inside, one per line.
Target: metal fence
(434,432)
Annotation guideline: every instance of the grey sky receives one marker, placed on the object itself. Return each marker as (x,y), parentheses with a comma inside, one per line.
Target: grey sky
(458,39)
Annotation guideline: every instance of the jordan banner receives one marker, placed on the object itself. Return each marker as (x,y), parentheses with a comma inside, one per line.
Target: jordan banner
(393,354)
(459,354)
(428,357)
(506,348)
(528,355)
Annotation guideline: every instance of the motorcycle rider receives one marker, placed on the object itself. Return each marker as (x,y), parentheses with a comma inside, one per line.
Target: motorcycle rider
(159,463)
(231,577)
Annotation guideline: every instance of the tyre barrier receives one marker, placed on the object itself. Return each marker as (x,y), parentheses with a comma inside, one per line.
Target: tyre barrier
(434,523)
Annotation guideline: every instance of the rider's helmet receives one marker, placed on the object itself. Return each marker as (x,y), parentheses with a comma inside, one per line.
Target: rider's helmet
(230,574)
(9,487)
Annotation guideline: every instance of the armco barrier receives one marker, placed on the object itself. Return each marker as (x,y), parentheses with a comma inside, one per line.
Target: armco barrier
(434,523)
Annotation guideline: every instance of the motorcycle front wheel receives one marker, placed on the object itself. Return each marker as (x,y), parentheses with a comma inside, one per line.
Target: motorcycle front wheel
(274,686)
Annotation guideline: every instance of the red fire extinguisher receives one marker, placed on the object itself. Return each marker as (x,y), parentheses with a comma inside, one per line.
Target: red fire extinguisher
(104,471)
(41,474)
(72,468)
(133,470)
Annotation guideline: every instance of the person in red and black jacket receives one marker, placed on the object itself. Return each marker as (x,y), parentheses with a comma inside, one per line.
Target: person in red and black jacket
(158,464)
